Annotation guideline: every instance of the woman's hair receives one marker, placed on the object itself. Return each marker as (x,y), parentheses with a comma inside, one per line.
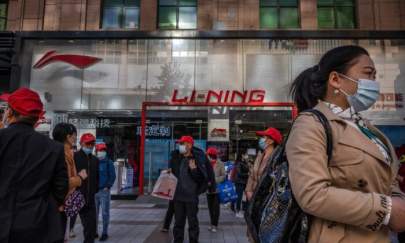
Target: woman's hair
(311,85)
(62,130)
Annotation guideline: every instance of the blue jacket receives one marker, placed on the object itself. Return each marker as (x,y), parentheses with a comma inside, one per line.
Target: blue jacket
(107,173)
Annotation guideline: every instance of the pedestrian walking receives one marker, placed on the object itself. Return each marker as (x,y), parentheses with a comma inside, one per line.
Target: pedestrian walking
(269,139)
(85,159)
(67,134)
(240,180)
(354,197)
(33,175)
(168,217)
(190,165)
(106,181)
(212,193)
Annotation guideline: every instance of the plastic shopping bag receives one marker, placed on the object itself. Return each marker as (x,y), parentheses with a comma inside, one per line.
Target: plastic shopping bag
(165,186)
(227,192)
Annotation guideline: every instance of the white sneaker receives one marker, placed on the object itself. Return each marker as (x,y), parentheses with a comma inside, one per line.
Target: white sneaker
(209,228)
(239,215)
(214,229)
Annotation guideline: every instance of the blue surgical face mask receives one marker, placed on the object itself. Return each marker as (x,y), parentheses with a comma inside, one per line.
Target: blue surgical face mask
(87,150)
(262,143)
(367,94)
(101,155)
(182,149)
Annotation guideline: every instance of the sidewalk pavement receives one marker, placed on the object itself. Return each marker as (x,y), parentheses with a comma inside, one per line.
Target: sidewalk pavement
(140,221)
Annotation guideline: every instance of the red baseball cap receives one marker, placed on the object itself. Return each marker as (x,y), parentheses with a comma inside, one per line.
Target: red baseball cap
(273,133)
(186,139)
(212,151)
(24,101)
(101,147)
(87,138)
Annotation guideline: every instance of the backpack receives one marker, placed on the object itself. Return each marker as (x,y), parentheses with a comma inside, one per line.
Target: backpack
(273,214)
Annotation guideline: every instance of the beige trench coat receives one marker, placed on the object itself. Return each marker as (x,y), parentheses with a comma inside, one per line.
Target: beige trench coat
(348,198)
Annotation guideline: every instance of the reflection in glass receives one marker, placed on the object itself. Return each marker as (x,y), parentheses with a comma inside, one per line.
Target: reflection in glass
(167,17)
(111,18)
(131,18)
(288,18)
(187,18)
(268,18)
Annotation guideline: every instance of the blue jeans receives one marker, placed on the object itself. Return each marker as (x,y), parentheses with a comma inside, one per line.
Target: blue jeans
(103,199)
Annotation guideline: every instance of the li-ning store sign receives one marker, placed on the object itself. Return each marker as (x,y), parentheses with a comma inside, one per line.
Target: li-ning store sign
(221,96)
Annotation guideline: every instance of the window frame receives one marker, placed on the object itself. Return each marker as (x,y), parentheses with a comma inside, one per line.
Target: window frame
(280,6)
(122,15)
(177,6)
(334,7)
(6,14)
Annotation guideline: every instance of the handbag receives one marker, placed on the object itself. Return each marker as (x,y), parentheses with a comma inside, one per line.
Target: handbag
(227,192)
(273,214)
(74,203)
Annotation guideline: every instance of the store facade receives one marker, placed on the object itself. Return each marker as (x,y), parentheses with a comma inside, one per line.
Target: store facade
(225,88)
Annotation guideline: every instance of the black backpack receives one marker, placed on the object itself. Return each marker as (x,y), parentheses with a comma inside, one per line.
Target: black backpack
(273,214)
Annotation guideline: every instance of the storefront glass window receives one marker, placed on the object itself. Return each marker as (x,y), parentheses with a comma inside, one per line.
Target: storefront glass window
(177,14)
(281,14)
(3,15)
(106,98)
(337,14)
(120,14)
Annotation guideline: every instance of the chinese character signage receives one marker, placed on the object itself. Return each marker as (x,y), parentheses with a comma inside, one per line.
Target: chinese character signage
(83,123)
(155,131)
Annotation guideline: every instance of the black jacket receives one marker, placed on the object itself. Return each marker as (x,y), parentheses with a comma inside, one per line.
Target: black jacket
(242,172)
(89,186)
(33,178)
(203,166)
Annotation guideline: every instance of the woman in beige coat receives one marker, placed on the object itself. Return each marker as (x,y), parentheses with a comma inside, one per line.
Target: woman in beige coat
(354,198)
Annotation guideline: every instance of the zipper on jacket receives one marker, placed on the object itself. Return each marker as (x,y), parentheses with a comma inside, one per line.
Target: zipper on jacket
(88,176)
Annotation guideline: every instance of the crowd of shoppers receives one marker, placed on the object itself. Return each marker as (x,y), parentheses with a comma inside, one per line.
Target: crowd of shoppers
(353,196)
(38,176)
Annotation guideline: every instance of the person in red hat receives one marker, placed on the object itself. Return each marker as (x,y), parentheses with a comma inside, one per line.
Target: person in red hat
(193,171)
(212,193)
(33,174)
(85,159)
(268,140)
(106,181)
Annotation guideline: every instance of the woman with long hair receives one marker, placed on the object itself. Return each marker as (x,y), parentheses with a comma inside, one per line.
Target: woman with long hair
(354,196)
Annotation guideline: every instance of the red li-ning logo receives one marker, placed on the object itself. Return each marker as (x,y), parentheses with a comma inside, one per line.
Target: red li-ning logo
(221,96)
(79,61)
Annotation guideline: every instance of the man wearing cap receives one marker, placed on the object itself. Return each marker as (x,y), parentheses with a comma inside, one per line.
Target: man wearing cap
(190,165)
(33,174)
(106,181)
(268,141)
(86,160)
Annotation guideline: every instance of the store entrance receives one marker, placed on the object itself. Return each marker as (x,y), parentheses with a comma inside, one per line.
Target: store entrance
(229,128)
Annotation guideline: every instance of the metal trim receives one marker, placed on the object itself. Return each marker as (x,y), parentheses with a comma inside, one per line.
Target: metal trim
(191,34)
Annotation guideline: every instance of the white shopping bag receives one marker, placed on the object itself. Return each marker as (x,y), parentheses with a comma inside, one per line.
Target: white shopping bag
(165,186)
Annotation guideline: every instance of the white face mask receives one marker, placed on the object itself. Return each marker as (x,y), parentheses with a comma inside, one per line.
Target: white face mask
(101,154)
(182,149)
